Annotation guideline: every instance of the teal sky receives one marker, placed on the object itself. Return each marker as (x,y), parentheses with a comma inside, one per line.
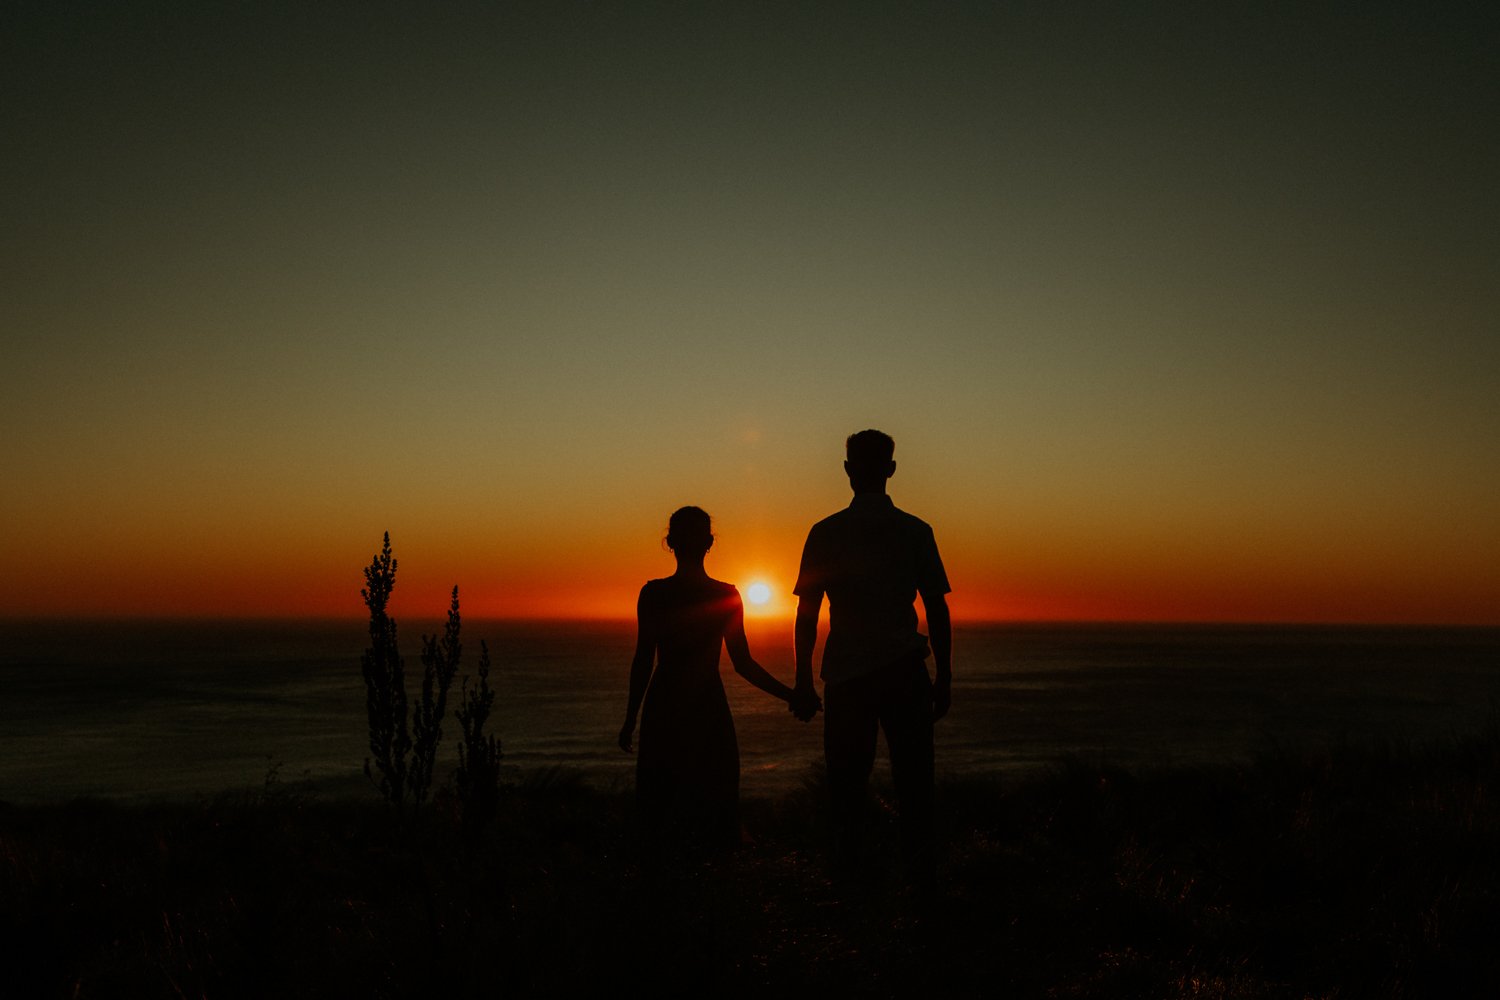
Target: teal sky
(1199,298)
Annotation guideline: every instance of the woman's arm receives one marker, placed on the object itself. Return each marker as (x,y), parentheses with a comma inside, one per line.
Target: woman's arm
(744,664)
(640,668)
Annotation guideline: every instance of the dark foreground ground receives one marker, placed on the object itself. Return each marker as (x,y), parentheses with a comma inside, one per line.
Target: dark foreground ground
(1369,871)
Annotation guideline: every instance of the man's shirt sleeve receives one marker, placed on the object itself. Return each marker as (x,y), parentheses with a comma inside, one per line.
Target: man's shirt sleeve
(931,577)
(812,576)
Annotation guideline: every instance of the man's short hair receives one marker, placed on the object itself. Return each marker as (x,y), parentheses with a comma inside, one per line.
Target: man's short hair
(869,450)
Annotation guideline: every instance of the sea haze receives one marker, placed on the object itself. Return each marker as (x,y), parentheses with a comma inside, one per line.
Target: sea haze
(131,709)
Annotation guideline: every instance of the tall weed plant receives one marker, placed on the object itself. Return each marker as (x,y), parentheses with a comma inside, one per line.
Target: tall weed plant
(403,758)
(385,683)
(478,753)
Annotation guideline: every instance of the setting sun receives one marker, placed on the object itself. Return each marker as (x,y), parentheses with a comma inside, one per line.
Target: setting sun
(758,593)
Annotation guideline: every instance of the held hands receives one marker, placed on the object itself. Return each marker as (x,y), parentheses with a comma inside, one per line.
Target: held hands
(627,736)
(805,703)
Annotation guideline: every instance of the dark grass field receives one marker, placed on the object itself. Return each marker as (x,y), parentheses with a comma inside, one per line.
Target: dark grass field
(1369,871)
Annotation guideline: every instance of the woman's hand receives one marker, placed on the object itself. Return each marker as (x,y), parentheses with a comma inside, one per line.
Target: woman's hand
(805,703)
(627,736)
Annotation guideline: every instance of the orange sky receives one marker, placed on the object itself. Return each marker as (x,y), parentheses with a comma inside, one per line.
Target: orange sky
(586,557)
(1198,327)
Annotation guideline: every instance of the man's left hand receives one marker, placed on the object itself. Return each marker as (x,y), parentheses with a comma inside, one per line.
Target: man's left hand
(942,697)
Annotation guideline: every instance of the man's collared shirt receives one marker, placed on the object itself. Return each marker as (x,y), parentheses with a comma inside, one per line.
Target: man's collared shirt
(871,559)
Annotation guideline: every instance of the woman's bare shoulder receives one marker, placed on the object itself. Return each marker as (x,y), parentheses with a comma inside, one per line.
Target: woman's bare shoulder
(653,590)
(724,594)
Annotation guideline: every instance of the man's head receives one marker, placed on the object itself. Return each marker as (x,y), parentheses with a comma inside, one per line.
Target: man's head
(868,459)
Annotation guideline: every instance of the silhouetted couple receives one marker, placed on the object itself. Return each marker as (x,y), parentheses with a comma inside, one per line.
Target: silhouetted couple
(870,560)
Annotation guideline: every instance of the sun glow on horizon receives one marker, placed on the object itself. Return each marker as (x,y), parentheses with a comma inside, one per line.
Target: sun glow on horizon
(758,593)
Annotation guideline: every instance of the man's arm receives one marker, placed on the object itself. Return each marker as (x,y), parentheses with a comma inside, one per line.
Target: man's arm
(804,639)
(940,634)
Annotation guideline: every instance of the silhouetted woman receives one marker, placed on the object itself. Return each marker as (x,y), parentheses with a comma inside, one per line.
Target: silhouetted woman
(689,762)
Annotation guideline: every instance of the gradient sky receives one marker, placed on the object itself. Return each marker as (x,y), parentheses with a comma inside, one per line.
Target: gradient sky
(1176,312)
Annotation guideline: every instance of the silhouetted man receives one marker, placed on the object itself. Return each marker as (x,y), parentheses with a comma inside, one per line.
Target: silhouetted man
(871,560)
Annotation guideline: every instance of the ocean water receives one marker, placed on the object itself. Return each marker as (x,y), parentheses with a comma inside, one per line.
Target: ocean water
(132,710)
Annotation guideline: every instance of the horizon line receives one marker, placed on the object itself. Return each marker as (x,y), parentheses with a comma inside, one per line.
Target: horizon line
(122,618)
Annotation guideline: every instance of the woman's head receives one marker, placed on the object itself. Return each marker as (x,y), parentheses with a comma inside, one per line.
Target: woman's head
(690,532)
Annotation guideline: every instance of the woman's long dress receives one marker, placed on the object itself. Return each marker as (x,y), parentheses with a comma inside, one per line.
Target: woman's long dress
(688,762)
